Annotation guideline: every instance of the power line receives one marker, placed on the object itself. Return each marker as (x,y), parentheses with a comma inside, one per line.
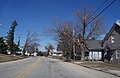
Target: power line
(99,8)
(102,11)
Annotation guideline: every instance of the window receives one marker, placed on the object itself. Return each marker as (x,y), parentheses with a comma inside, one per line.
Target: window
(117,54)
(112,39)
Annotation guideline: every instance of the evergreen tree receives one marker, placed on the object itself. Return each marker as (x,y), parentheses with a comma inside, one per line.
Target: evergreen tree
(3,46)
(10,37)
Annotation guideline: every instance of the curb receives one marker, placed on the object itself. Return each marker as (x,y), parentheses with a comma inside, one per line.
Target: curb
(98,69)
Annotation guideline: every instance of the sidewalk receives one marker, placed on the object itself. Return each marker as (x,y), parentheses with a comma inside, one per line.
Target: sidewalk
(113,69)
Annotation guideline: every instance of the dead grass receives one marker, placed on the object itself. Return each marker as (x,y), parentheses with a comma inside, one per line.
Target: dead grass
(5,58)
(102,65)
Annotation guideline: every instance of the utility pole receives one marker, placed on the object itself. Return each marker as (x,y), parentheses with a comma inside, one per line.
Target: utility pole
(0,26)
(74,54)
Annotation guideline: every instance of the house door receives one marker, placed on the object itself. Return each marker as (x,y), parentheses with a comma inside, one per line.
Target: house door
(108,55)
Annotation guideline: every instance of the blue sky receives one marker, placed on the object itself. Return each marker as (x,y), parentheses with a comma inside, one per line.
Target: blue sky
(38,15)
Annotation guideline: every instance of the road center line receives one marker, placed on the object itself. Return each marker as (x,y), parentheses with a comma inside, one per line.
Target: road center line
(33,66)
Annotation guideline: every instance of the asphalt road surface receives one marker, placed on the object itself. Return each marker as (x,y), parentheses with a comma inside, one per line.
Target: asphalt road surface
(41,67)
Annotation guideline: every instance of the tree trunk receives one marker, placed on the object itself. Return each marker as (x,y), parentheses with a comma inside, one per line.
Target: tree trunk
(82,52)
(66,56)
(23,51)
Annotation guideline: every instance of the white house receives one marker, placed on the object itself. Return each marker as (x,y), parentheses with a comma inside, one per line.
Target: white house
(94,50)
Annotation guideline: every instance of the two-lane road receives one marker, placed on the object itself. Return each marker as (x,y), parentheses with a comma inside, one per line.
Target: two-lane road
(41,67)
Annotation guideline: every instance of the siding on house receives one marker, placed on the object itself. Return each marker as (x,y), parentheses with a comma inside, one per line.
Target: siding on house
(114,46)
(116,34)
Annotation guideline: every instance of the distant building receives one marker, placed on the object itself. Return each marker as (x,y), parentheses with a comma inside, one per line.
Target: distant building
(31,54)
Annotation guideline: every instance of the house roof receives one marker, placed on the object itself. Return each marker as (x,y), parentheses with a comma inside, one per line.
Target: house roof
(94,44)
(110,46)
(117,23)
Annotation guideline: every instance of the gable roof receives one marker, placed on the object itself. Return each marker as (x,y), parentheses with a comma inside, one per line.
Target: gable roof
(93,44)
(117,23)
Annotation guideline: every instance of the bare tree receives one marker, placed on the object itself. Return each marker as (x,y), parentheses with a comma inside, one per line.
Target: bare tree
(88,29)
(49,49)
(68,34)
(63,33)
(32,42)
